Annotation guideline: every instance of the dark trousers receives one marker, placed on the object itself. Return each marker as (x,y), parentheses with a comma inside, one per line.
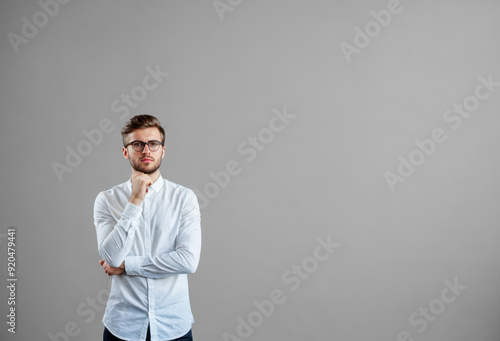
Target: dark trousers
(107,336)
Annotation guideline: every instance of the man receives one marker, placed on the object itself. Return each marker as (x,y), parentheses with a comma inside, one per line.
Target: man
(149,238)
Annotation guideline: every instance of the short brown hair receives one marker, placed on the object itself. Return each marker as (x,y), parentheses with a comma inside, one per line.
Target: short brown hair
(141,122)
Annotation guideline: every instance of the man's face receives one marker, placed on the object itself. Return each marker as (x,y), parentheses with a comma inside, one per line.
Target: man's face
(145,161)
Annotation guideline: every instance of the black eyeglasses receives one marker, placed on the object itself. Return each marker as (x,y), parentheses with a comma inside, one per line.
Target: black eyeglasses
(139,145)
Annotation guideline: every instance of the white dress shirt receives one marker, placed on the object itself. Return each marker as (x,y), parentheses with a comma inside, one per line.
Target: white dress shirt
(160,242)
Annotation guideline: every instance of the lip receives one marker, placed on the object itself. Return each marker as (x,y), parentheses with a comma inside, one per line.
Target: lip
(146,160)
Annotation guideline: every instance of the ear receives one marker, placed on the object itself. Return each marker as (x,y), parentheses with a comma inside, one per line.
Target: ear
(163,152)
(125,152)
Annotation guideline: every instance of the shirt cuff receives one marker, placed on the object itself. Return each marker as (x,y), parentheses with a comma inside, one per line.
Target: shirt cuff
(132,265)
(131,211)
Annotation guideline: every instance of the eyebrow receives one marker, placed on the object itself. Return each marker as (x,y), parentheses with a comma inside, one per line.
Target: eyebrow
(146,141)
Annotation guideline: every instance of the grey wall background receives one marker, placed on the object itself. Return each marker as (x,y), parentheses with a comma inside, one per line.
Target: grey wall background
(323,175)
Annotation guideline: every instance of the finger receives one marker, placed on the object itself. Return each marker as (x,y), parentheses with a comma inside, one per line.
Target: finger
(101,261)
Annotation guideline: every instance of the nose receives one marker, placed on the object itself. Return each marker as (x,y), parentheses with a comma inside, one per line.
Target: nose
(144,150)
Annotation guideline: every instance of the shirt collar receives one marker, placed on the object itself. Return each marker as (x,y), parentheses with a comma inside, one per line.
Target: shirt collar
(158,184)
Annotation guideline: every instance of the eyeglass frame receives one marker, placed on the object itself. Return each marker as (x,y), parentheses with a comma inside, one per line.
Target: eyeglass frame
(145,143)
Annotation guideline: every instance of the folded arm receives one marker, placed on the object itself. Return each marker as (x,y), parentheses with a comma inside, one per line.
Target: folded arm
(184,259)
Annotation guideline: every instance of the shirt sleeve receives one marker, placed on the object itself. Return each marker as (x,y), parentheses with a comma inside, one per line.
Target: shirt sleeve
(184,259)
(114,238)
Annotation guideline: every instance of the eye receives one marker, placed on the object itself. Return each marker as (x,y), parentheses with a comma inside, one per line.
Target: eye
(154,144)
(137,144)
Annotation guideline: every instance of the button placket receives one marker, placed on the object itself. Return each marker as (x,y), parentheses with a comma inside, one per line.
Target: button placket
(147,251)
